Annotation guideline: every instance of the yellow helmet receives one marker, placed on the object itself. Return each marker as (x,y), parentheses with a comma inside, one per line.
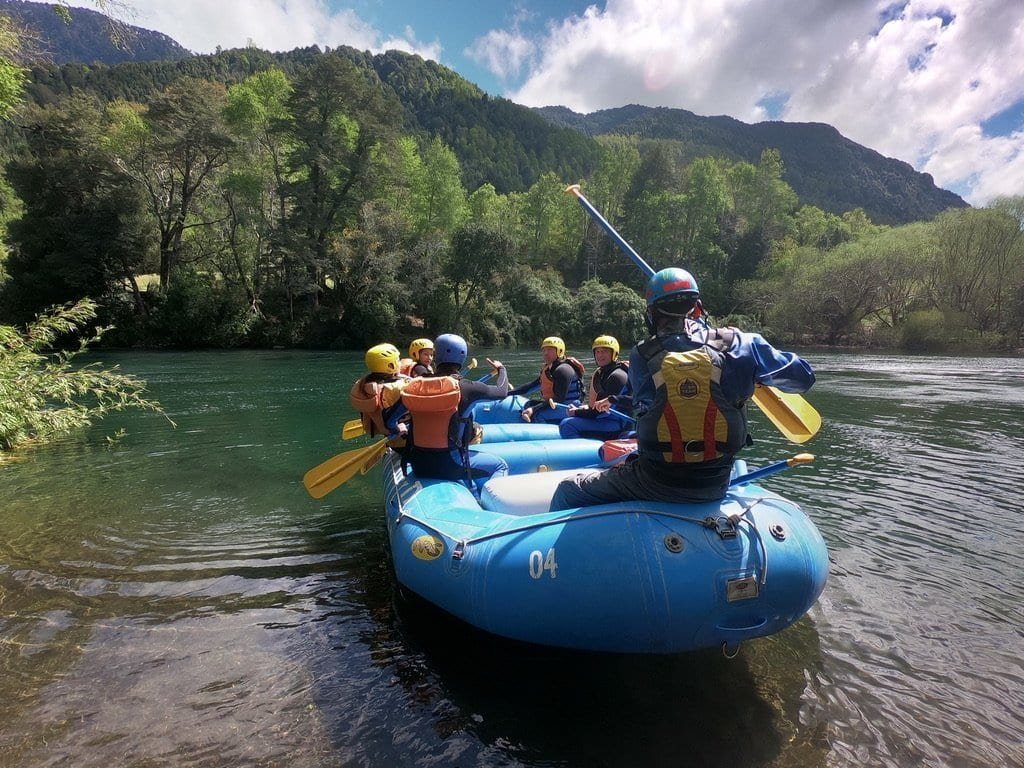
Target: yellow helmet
(609,342)
(382,358)
(418,345)
(557,343)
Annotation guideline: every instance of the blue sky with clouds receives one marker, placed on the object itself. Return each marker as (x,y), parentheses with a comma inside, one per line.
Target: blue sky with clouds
(936,83)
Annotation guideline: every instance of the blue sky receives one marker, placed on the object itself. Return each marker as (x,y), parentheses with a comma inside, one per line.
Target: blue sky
(936,83)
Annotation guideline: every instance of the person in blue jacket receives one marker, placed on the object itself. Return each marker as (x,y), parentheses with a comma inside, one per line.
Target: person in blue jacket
(691,384)
(606,415)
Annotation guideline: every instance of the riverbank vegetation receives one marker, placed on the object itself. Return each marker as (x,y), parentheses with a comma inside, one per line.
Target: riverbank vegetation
(46,394)
(292,209)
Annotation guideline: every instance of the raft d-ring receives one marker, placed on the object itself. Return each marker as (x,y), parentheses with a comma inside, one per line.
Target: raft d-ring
(727,654)
(674,543)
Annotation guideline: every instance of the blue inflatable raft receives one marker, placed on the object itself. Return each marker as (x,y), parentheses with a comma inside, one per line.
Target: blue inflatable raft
(632,577)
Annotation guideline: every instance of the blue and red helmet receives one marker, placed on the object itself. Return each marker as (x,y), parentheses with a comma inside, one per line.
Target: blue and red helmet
(450,348)
(671,282)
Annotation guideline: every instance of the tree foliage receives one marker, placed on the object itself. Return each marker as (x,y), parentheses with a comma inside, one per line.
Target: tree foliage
(45,394)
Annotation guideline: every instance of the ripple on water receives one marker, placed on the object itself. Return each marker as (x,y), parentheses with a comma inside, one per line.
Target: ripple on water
(177,599)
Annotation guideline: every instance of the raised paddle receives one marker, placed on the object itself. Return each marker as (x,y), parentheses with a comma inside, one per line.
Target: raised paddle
(336,471)
(794,416)
(354,427)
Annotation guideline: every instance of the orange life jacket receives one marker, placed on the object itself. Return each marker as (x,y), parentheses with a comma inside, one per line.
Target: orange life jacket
(405,366)
(432,401)
(371,398)
(547,380)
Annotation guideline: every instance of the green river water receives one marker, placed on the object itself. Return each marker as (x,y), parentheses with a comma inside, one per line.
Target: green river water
(176,599)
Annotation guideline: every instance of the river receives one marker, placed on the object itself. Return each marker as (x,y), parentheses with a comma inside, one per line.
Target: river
(174,598)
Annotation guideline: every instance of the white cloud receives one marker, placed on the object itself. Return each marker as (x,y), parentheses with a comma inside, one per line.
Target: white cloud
(274,25)
(915,84)
(501,52)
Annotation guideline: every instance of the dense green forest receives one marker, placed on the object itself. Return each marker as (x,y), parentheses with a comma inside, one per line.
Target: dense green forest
(335,199)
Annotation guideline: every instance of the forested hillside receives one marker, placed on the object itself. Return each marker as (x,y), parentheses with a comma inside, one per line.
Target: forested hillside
(823,167)
(88,36)
(337,199)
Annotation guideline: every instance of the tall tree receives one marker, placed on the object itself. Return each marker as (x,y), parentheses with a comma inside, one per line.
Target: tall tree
(173,148)
(439,197)
(254,178)
(479,256)
(81,233)
(337,120)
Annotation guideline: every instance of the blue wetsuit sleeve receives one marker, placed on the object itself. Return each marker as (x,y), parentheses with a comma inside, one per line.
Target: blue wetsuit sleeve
(393,415)
(526,388)
(772,367)
(476,390)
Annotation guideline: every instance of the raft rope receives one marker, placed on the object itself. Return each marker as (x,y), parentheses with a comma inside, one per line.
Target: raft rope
(461,545)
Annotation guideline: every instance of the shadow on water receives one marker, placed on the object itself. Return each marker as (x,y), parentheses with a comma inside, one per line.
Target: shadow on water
(487,700)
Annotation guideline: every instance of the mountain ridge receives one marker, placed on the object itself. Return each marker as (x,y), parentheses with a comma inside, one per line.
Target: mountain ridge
(88,38)
(506,144)
(815,156)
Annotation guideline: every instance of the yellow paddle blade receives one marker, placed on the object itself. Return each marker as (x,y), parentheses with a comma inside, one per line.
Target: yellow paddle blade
(794,416)
(353,428)
(371,462)
(336,471)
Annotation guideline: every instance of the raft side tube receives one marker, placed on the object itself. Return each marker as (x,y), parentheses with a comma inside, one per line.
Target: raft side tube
(539,456)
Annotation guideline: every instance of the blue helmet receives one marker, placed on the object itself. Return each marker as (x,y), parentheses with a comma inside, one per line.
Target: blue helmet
(450,348)
(671,282)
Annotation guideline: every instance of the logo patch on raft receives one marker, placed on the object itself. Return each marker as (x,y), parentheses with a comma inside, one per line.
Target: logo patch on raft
(427,547)
(741,589)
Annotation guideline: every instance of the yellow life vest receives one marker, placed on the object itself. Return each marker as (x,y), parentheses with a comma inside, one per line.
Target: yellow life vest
(690,420)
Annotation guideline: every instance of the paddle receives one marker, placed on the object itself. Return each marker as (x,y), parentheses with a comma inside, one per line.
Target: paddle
(336,471)
(610,410)
(790,413)
(771,469)
(354,427)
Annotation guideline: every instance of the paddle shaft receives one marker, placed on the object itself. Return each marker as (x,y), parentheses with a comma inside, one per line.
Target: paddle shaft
(610,410)
(574,189)
(771,469)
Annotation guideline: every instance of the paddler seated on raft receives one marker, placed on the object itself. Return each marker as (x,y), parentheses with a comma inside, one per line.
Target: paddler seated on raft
(440,432)
(378,394)
(420,359)
(691,384)
(609,404)
(560,382)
